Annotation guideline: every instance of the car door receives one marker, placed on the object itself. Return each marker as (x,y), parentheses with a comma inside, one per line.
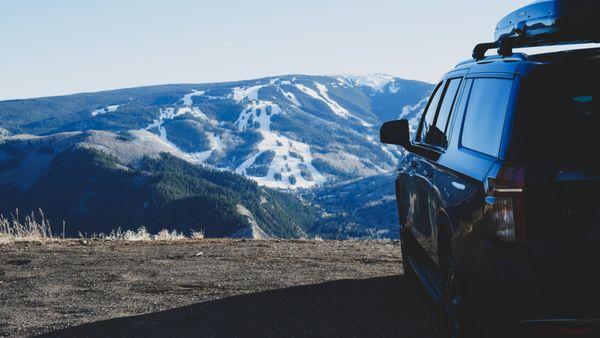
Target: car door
(411,187)
(433,141)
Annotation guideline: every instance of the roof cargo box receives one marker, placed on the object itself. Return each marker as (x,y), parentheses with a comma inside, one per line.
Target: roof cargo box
(551,22)
(545,23)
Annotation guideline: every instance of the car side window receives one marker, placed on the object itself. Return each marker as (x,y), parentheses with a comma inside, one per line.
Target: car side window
(434,126)
(429,115)
(440,137)
(485,114)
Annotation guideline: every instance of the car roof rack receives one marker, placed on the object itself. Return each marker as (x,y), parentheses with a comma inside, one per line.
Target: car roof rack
(545,23)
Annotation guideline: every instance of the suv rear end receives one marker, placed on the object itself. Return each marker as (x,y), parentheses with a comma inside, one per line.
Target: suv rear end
(537,264)
(509,188)
(535,259)
(555,143)
(499,193)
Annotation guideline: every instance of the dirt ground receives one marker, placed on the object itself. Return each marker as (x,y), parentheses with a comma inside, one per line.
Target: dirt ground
(214,288)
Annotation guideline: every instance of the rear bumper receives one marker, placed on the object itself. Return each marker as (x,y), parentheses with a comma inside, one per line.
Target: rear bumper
(528,289)
(521,311)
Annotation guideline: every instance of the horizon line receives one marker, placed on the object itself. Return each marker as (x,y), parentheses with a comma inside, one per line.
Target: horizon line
(198,83)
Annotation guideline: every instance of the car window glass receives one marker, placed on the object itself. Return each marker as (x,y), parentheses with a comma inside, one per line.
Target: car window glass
(429,116)
(437,136)
(561,116)
(447,104)
(484,118)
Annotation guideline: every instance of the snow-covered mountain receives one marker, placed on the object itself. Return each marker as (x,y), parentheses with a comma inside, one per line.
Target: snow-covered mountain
(288,132)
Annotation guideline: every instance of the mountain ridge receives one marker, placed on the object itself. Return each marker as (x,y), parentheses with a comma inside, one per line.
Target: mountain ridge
(291,132)
(152,86)
(319,118)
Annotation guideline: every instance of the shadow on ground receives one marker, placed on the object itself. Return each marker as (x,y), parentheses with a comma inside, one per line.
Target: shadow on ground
(388,306)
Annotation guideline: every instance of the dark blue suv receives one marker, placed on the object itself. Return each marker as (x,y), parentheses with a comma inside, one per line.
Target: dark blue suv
(499,191)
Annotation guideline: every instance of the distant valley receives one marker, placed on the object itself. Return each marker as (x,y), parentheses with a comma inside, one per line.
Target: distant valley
(174,155)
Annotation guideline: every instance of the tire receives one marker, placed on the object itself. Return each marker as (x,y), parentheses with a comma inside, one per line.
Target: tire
(407,267)
(459,319)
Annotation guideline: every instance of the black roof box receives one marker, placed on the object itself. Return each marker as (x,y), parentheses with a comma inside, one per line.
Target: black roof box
(544,23)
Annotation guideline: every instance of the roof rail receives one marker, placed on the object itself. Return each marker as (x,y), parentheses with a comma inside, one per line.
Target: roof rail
(504,46)
(480,50)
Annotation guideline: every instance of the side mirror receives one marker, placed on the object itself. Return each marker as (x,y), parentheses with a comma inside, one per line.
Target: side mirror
(395,132)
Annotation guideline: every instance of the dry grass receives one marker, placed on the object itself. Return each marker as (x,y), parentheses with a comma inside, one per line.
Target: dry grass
(32,228)
(119,235)
(197,234)
(36,228)
(166,235)
(142,235)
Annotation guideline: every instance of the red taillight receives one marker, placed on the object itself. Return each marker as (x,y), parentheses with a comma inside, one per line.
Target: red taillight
(511,178)
(506,210)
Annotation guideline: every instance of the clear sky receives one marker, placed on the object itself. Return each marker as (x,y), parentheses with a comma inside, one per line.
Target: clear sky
(61,46)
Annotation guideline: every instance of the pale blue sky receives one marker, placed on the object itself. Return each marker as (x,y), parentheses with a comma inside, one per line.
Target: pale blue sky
(61,46)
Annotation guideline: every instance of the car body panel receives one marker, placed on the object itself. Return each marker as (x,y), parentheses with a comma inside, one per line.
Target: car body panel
(449,190)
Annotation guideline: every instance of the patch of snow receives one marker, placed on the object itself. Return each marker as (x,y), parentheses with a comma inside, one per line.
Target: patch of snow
(382,200)
(169,114)
(408,110)
(283,164)
(199,157)
(413,113)
(242,93)
(194,111)
(290,96)
(288,170)
(263,200)
(258,112)
(333,106)
(377,82)
(309,91)
(165,114)
(215,144)
(4,133)
(363,122)
(108,109)
(187,99)
(336,108)
(394,88)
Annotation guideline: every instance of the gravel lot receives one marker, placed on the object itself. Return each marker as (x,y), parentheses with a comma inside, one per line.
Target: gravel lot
(211,288)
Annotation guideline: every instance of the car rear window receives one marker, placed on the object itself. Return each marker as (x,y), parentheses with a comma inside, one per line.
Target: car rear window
(486,111)
(561,115)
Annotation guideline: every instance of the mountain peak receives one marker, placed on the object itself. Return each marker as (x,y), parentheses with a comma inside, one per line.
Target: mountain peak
(377,82)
